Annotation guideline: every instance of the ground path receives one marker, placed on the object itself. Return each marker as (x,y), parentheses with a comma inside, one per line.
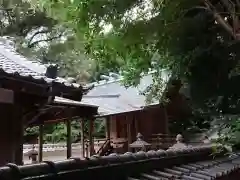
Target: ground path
(56,155)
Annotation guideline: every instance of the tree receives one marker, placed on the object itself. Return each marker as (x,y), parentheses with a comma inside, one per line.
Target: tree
(179,35)
(198,41)
(18,19)
(39,37)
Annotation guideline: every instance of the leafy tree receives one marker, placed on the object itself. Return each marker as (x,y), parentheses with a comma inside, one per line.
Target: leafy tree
(19,19)
(196,40)
(40,37)
(183,36)
(31,131)
(58,132)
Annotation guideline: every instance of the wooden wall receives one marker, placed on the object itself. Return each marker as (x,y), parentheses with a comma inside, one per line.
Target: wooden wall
(153,120)
(147,122)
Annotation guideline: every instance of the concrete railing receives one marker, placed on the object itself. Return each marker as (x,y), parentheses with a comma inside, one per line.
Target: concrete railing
(60,146)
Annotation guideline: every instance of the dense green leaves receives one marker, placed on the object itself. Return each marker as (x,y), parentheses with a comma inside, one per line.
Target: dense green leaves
(37,36)
(197,41)
(183,36)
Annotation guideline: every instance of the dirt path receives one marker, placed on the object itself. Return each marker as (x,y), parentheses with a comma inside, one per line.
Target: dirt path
(55,156)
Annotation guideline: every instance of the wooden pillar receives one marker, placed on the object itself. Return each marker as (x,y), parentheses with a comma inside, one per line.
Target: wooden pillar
(11,133)
(166,120)
(136,124)
(7,127)
(19,144)
(129,133)
(91,140)
(107,120)
(40,143)
(82,138)
(69,139)
(18,135)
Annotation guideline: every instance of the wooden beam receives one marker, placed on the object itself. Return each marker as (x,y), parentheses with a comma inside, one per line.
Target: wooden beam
(21,85)
(107,120)
(19,148)
(91,143)
(69,139)
(82,138)
(7,134)
(166,120)
(18,135)
(40,143)
(114,127)
(136,123)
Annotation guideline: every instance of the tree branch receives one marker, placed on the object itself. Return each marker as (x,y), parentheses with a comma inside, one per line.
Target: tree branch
(238,3)
(44,40)
(9,16)
(36,33)
(219,18)
(228,5)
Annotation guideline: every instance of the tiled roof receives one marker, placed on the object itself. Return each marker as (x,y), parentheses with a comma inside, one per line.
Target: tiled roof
(13,63)
(113,97)
(196,163)
(199,170)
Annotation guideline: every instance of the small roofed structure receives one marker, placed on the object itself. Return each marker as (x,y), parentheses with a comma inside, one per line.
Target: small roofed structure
(62,109)
(140,144)
(127,111)
(179,144)
(27,97)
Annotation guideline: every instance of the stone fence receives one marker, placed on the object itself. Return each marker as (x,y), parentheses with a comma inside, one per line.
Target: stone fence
(59,146)
(195,163)
(50,147)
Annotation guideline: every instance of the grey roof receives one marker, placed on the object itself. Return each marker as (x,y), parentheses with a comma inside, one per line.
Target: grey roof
(13,63)
(113,98)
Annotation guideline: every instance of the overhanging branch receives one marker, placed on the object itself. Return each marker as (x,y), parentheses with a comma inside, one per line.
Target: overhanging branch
(36,33)
(219,19)
(31,45)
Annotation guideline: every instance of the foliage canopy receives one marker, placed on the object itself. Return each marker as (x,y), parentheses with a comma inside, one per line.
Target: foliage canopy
(196,40)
